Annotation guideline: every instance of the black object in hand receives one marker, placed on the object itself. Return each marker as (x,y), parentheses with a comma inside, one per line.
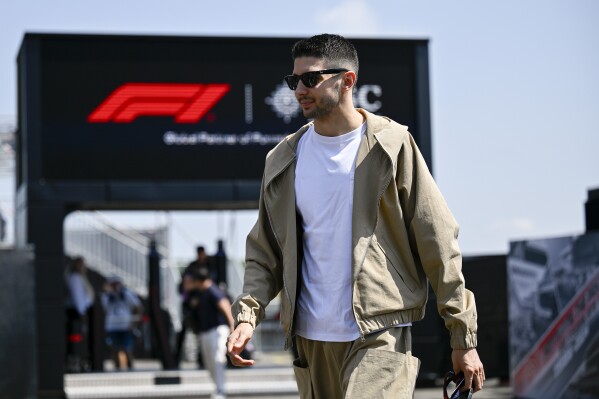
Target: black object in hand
(458,380)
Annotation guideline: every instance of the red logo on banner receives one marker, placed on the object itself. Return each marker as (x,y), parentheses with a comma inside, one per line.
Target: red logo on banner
(186,102)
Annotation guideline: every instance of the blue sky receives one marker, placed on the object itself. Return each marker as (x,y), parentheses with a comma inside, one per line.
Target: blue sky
(514,96)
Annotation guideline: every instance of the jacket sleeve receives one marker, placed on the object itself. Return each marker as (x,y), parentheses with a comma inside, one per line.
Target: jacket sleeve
(433,233)
(263,277)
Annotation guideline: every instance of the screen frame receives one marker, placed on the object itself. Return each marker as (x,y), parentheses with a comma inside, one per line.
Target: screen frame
(156,193)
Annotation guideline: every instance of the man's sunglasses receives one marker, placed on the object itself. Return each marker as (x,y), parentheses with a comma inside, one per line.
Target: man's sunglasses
(458,380)
(310,79)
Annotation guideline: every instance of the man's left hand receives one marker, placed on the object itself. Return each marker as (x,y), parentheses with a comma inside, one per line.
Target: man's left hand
(467,361)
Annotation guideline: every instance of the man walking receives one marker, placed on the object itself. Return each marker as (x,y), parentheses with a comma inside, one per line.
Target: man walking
(214,323)
(351,226)
(188,331)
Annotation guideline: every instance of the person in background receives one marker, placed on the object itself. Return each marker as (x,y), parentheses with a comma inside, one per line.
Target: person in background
(212,310)
(123,309)
(202,260)
(79,305)
(81,293)
(351,228)
(186,338)
(2,227)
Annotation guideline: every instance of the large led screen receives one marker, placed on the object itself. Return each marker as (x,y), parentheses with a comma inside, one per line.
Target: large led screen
(187,108)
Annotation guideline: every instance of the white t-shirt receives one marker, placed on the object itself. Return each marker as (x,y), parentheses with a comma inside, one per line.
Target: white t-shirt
(80,296)
(324,186)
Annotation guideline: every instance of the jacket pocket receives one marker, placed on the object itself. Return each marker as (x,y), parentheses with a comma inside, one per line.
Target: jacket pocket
(384,374)
(380,288)
(304,382)
(395,263)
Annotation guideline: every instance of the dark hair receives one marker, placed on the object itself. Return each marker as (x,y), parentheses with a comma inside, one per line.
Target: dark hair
(335,50)
(200,274)
(76,261)
(200,248)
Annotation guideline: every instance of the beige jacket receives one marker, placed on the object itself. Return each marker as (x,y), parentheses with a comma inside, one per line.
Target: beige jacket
(402,234)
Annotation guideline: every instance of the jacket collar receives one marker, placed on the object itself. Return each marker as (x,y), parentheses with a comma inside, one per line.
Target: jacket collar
(373,126)
(377,128)
(285,152)
(282,155)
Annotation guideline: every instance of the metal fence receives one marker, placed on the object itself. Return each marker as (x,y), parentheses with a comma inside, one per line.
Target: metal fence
(110,250)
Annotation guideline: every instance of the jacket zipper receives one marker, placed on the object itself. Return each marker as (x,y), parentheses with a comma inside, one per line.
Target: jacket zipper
(291,304)
(362,337)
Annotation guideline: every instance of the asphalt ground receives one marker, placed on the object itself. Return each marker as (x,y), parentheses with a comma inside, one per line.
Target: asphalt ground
(493,388)
(272,377)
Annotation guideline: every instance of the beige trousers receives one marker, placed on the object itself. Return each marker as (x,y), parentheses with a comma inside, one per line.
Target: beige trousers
(381,366)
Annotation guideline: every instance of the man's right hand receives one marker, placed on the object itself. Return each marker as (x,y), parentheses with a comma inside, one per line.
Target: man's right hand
(237,342)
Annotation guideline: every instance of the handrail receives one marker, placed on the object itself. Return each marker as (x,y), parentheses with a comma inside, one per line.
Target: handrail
(109,249)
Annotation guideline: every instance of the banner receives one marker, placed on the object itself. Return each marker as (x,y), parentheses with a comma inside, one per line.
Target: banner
(554,317)
(168,108)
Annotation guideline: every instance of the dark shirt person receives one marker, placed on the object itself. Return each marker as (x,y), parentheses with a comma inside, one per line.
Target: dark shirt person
(214,322)
(188,323)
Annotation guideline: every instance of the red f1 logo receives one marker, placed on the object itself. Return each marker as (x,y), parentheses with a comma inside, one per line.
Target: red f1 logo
(187,102)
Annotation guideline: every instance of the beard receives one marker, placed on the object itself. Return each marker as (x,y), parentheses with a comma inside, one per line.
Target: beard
(324,106)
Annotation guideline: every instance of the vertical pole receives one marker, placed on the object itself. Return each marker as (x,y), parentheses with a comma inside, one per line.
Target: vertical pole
(41,226)
(220,260)
(157,320)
